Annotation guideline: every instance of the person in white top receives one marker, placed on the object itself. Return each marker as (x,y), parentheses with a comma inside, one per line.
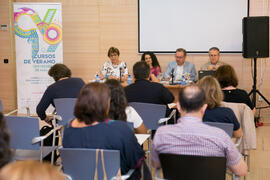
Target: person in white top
(119,109)
(134,117)
(114,69)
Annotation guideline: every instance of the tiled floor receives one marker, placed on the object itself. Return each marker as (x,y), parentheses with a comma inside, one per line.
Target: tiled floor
(260,158)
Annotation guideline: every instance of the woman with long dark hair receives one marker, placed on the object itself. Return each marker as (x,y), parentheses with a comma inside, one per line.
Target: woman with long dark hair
(119,109)
(151,59)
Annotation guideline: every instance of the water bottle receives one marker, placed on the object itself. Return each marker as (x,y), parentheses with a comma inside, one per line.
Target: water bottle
(129,79)
(97,78)
(183,81)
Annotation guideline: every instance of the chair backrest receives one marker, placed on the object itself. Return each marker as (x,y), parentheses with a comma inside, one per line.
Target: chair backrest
(189,167)
(65,108)
(245,117)
(22,130)
(150,113)
(80,163)
(227,127)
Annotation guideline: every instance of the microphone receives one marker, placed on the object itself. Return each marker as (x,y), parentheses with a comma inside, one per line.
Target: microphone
(172,75)
(120,73)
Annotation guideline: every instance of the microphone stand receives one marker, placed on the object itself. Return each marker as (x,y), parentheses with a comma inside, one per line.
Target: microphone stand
(120,79)
(172,76)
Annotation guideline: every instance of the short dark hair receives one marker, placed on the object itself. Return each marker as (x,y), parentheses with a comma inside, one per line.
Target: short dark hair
(118,100)
(214,48)
(182,50)
(191,98)
(226,76)
(92,103)
(59,71)
(5,152)
(141,70)
(153,57)
(113,50)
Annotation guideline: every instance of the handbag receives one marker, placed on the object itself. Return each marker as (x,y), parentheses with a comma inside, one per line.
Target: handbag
(118,175)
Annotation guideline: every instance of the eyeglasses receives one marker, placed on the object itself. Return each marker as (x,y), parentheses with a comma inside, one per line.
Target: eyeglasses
(213,55)
(180,57)
(113,55)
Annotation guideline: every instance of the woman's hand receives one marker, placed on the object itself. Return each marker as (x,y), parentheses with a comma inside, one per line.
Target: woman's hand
(153,78)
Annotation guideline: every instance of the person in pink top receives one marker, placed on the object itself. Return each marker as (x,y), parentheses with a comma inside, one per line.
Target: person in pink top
(151,59)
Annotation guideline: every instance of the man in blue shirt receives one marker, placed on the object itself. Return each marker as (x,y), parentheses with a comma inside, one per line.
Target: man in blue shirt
(180,67)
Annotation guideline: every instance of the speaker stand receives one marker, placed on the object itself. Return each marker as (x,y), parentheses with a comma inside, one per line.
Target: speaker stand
(254,89)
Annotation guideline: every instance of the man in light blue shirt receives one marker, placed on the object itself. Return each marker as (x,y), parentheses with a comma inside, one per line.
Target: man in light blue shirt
(180,67)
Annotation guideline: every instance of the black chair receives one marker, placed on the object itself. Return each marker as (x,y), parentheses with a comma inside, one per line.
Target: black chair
(177,167)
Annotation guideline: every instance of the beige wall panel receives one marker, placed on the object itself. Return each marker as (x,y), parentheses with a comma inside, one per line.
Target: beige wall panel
(7,71)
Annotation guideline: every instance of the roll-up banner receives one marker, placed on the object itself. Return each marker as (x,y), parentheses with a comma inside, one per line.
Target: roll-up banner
(38,39)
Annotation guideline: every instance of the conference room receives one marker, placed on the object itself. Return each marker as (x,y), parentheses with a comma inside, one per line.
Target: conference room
(78,33)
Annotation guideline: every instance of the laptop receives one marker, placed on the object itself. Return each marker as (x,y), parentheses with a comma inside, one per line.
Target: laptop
(203,73)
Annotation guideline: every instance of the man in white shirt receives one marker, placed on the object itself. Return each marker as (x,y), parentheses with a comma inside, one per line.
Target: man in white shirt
(214,62)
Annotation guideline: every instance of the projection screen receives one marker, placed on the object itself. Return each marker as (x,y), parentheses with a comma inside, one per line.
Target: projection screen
(194,25)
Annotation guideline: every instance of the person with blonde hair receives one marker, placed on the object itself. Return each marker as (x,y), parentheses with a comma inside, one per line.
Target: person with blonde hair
(213,98)
(30,170)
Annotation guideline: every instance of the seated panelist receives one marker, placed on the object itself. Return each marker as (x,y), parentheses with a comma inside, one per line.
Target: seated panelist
(114,68)
(214,62)
(151,59)
(180,67)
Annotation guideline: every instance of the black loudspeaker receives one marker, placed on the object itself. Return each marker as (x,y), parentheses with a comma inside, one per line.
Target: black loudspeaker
(256,37)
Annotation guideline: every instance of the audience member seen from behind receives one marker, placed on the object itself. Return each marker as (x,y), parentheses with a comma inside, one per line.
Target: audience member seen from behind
(92,129)
(119,108)
(114,67)
(5,152)
(213,98)
(151,59)
(180,67)
(145,91)
(214,61)
(64,87)
(30,170)
(228,81)
(190,136)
